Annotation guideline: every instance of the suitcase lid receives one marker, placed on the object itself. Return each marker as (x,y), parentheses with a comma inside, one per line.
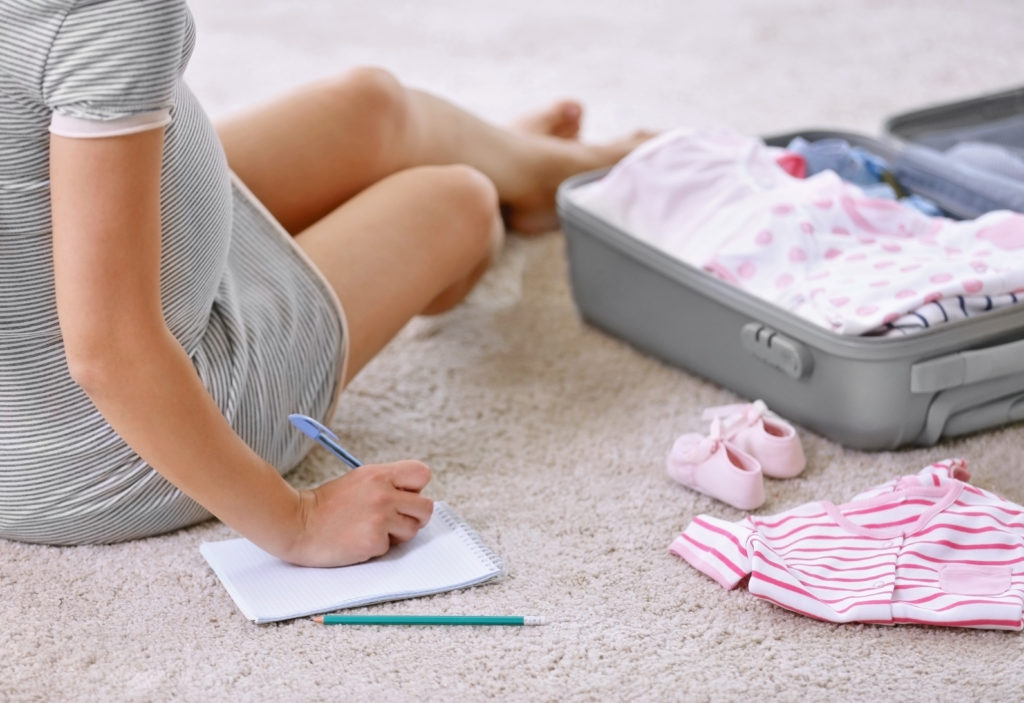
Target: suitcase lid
(963,186)
(997,118)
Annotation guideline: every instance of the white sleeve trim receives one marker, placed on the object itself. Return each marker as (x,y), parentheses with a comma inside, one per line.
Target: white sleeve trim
(66,126)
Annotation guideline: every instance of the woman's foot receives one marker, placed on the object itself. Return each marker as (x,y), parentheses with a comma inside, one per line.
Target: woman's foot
(554,153)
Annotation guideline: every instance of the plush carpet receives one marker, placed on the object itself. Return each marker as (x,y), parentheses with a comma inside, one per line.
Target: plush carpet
(548,436)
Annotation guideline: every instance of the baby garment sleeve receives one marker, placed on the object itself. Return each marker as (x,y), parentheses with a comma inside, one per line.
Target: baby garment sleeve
(933,474)
(113,66)
(716,547)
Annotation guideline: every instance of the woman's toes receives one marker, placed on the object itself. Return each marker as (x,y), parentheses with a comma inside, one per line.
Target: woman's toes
(561,119)
(618,149)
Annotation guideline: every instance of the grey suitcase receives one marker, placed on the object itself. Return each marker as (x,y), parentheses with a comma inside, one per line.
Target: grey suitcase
(864,392)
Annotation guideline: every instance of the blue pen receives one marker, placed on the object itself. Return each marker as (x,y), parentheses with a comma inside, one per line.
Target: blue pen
(314,430)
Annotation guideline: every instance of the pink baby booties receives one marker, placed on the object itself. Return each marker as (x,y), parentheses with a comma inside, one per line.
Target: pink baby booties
(763,435)
(711,465)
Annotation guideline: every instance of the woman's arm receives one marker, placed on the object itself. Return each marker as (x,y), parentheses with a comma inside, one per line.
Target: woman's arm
(106,249)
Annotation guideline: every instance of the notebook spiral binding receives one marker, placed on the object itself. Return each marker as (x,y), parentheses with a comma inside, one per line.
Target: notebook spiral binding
(485,553)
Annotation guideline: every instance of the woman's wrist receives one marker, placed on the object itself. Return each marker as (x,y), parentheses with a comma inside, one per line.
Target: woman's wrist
(293,532)
(275,518)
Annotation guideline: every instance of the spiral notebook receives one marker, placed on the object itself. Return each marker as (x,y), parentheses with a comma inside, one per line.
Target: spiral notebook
(445,555)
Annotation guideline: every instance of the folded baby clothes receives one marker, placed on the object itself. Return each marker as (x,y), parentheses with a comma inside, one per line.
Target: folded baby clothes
(994,159)
(816,246)
(962,187)
(927,549)
(856,165)
(850,163)
(981,165)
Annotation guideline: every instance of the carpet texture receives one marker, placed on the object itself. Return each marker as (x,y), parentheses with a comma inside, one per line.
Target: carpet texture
(546,435)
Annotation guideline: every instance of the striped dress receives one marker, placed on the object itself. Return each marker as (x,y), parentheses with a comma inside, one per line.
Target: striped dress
(261,325)
(928,549)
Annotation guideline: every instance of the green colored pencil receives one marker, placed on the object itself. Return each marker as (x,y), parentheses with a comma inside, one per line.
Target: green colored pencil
(430,619)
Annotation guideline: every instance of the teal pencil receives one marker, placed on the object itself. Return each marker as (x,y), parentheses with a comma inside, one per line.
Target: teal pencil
(430,619)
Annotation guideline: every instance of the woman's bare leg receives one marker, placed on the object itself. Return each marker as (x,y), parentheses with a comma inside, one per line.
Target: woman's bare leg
(414,242)
(307,153)
(394,193)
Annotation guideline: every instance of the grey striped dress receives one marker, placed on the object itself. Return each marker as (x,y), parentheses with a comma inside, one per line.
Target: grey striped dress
(262,327)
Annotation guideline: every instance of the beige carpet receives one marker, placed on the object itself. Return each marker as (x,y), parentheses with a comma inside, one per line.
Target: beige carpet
(548,436)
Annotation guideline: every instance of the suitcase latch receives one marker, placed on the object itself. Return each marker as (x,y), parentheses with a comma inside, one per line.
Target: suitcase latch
(785,354)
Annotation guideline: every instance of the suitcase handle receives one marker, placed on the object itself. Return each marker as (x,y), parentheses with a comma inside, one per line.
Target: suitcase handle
(981,406)
(967,367)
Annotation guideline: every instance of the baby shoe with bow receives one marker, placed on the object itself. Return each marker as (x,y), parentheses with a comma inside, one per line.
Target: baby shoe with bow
(755,430)
(717,468)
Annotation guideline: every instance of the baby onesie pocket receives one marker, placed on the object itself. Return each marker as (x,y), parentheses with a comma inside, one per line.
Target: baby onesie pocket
(971,580)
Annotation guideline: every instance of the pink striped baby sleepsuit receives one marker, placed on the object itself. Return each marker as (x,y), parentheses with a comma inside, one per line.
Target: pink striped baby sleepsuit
(927,548)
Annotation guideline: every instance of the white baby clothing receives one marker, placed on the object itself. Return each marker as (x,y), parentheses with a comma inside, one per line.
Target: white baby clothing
(818,246)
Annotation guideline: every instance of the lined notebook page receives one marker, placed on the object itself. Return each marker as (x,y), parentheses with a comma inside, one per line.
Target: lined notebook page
(445,555)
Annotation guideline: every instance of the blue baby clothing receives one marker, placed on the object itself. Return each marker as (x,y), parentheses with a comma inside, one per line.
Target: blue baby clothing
(858,166)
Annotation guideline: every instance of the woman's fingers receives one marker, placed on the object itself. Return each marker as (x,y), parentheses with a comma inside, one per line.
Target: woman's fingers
(415,506)
(410,475)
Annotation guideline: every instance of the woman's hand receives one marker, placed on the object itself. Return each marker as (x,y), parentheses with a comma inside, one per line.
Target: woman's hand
(359,515)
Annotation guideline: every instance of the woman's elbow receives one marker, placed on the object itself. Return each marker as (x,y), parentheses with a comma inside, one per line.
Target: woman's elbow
(102,359)
(92,368)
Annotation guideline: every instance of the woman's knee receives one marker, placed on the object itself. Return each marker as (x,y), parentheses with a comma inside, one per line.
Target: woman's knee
(377,94)
(465,230)
(472,201)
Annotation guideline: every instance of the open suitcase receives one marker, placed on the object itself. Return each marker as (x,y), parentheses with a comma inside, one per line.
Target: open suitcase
(864,392)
